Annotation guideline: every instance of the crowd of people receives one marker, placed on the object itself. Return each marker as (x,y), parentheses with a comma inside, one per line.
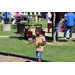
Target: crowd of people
(68,23)
(69,19)
(14,18)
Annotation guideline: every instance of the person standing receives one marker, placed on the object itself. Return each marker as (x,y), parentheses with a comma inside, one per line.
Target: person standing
(39,42)
(69,19)
(18,17)
(57,20)
(49,20)
(64,25)
(65,14)
(6,17)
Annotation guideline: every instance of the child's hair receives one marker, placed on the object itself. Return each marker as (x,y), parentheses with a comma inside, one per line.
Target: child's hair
(39,29)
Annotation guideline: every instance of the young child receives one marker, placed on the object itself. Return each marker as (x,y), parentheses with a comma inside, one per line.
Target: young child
(39,42)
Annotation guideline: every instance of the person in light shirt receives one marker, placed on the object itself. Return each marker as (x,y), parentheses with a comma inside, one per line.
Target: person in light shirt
(49,20)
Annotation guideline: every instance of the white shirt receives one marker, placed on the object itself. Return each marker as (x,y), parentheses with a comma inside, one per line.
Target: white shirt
(65,15)
(49,16)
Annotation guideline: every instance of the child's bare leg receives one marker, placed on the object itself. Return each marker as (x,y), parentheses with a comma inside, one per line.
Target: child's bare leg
(39,59)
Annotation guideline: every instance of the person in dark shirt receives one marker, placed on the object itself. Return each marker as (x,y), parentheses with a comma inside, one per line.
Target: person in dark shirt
(57,20)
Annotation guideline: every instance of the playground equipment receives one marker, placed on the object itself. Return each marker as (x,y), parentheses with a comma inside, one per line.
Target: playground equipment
(43,32)
(28,34)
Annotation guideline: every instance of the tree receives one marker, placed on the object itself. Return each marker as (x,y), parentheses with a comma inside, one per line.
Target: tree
(54,39)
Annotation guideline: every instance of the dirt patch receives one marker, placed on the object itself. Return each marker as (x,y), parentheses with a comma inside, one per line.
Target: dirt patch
(57,43)
(4,58)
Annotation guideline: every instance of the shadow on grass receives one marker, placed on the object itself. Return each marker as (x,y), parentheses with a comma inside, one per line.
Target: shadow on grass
(73,40)
(62,41)
(49,39)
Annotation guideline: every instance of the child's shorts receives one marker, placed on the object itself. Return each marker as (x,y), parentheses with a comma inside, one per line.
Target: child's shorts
(38,54)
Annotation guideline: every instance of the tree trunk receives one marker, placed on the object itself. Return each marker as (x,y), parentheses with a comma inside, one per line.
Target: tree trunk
(54,39)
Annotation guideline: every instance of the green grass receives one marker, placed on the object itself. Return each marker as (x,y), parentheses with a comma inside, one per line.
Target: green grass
(14,27)
(12,32)
(43,22)
(64,53)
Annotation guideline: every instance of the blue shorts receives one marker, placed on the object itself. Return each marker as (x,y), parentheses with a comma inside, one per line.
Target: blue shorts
(38,54)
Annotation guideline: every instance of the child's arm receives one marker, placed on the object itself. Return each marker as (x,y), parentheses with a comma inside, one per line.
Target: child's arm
(43,43)
(32,41)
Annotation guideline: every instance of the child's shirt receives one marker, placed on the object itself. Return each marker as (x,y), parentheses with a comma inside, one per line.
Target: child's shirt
(39,40)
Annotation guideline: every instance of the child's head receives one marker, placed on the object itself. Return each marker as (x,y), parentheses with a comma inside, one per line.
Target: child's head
(38,31)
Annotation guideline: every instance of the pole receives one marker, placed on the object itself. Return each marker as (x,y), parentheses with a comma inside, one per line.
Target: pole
(6,17)
(32,19)
(28,17)
(54,39)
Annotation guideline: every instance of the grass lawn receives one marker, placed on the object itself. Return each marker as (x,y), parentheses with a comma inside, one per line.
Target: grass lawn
(62,53)
(43,22)
(14,28)
(12,32)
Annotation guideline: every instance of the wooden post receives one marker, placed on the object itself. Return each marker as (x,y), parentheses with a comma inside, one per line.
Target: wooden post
(32,21)
(54,39)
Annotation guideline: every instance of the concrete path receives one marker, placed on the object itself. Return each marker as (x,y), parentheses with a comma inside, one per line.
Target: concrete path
(46,34)
(50,34)
(9,36)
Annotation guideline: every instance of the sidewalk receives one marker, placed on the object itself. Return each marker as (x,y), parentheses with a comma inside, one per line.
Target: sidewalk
(9,36)
(50,34)
(46,34)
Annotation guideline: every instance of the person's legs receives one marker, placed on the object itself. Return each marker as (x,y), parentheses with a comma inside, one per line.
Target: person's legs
(48,27)
(65,32)
(38,55)
(8,21)
(71,31)
(52,33)
(39,59)
(56,29)
(4,20)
